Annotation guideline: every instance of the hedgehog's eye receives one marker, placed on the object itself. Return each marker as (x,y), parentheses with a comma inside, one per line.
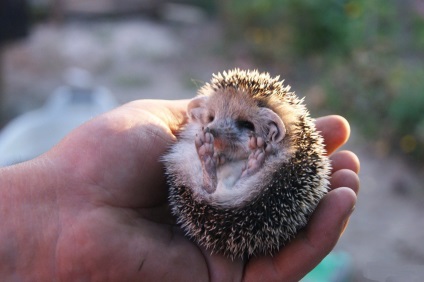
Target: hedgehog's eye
(211,118)
(246,125)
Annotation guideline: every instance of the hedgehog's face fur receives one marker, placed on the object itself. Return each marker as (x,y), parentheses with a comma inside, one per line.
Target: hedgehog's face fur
(232,116)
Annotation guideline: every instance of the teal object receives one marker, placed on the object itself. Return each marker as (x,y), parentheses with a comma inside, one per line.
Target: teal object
(335,267)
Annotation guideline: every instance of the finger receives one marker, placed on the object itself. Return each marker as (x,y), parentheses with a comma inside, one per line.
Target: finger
(335,131)
(177,116)
(172,112)
(345,160)
(345,178)
(222,268)
(311,245)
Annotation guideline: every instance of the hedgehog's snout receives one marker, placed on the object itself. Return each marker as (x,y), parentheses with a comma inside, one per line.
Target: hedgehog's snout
(212,131)
(221,128)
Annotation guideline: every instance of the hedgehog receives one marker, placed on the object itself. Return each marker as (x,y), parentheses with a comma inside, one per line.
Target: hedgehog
(249,167)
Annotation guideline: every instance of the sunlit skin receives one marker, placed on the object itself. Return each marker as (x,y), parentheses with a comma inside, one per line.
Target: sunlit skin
(95,208)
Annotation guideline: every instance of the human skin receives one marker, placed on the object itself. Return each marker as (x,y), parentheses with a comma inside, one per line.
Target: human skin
(94,208)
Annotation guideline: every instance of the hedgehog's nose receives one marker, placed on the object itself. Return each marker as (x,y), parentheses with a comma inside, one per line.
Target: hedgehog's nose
(213,131)
(220,128)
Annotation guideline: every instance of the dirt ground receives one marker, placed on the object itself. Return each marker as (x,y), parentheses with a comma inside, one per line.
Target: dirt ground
(139,58)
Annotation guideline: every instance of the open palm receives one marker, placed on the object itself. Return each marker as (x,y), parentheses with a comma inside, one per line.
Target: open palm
(113,221)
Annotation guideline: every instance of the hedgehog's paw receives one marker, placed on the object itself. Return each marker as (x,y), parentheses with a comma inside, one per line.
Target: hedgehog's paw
(204,144)
(256,157)
(254,163)
(205,151)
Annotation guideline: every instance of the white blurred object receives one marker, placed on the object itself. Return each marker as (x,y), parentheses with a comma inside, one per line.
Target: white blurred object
(182,13)
(35,132)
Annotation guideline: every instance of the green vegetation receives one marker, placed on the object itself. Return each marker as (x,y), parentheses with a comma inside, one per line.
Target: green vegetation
(370,56)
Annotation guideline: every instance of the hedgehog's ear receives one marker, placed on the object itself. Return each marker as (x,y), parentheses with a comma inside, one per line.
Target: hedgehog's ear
(276,130)
(196,109)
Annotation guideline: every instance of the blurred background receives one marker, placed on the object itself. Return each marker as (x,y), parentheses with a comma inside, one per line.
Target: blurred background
(64,61)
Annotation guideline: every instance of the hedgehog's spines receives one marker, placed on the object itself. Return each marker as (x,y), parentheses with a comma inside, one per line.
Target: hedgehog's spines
(259,85)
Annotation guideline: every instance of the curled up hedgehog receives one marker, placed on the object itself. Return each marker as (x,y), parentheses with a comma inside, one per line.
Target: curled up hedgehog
(249,167)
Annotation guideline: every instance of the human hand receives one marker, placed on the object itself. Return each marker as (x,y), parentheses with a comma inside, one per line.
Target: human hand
(102,206)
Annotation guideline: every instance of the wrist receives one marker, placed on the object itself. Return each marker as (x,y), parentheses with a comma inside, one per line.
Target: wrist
(29,219)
